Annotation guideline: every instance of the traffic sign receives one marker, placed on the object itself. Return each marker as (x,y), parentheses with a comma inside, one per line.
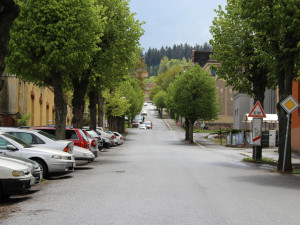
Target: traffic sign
(257,131)
(289,104)
(257,111)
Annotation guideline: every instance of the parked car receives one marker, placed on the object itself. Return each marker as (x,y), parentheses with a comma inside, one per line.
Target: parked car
(15,178)
(93,134)
(144,113)
(38,138)
(119,138)
(110,137)
(82,156)
(72,134)
(148,124)
(142,126)
(50,160)
(114,137)
(106,143)
(145,104)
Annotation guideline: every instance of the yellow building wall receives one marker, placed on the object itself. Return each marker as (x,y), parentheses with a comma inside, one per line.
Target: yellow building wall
(19,97)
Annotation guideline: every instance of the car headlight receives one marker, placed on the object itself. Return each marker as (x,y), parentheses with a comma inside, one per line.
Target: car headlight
(18,173)
(60,157)
(87,154)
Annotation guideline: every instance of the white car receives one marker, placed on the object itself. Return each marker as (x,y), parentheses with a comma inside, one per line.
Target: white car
(34,167)
(145,104)
(82,156)
(50,160)
(15,178)
(119,138)
(144,113)
(38,138)
(142,126)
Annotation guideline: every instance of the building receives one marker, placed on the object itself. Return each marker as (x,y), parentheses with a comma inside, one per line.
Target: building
(225,93)
(243,104)
(147,90)
(19,98)
(295,126)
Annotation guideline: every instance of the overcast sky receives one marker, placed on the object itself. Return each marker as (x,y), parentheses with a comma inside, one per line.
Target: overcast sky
(170,22)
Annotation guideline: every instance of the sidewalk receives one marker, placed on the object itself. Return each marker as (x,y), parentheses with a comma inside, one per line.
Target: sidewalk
(202,142)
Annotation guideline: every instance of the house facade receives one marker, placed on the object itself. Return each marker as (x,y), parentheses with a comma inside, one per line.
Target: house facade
(295,125)
(20,98)
(225,93)
(243,104)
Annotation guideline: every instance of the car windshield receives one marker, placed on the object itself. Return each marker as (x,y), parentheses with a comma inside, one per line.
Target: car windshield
(92,133)
(83,135)
(50,136)
(19,141)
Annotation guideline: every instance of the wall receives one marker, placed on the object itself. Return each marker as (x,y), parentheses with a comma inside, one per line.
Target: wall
(20,97)
(295,126)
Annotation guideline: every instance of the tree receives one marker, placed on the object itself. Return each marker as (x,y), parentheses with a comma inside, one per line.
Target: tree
(9,10)
(119,47)
(194,96)
(235,46)
(278,22)
(50,43)
(160,101)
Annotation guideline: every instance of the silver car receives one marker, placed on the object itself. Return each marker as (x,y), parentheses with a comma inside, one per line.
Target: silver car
(35,169)
(51,161)
(38,138)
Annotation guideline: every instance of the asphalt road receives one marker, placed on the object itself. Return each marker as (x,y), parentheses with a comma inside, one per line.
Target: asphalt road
(156,179)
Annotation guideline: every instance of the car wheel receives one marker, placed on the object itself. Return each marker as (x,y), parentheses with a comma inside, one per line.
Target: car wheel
(43,167)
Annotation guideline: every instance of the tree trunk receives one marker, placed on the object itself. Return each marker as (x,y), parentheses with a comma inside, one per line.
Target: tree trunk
(8,13)
(78,102)
(100,111)
(191,131)
(285,81)
(60,106)
(187,130)
(259,81)
(93,107)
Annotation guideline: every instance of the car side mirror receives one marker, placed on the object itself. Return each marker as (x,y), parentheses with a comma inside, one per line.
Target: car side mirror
(11,147)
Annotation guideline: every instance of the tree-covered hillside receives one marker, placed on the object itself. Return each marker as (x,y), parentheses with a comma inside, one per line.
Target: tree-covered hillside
(153,56)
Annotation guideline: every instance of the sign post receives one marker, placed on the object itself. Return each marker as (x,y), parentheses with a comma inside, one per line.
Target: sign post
(289,105)
(258,114)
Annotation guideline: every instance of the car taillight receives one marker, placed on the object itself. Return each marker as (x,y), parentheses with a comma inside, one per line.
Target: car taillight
(93,143)
(66,149)
(112,137)
(84,144)
(121,138)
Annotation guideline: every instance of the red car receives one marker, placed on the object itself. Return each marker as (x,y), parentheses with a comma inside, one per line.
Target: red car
(72,134)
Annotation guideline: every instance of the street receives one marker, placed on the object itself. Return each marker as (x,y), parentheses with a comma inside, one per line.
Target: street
(154,178)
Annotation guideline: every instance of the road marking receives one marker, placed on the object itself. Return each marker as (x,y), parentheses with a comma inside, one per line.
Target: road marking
(201,146)
(167,125)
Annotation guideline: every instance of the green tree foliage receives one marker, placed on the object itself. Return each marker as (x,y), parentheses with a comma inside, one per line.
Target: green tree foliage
(164,79)
(236,47)
(160,101)
(154,56)
(154,90)
(50,42)
(278,22)
(194,96)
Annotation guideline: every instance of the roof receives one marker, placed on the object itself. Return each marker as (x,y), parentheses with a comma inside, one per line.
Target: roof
(270,118)
(200,57)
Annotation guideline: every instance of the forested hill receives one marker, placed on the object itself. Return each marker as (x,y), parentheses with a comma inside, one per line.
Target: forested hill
(153,56)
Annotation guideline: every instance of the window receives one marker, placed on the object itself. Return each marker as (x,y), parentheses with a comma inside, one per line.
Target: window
(27,137)
(3,143)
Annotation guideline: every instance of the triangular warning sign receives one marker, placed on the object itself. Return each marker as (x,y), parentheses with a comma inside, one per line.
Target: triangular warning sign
(257,111)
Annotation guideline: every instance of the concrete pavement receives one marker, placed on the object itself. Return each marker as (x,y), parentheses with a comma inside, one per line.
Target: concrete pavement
(202,142)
